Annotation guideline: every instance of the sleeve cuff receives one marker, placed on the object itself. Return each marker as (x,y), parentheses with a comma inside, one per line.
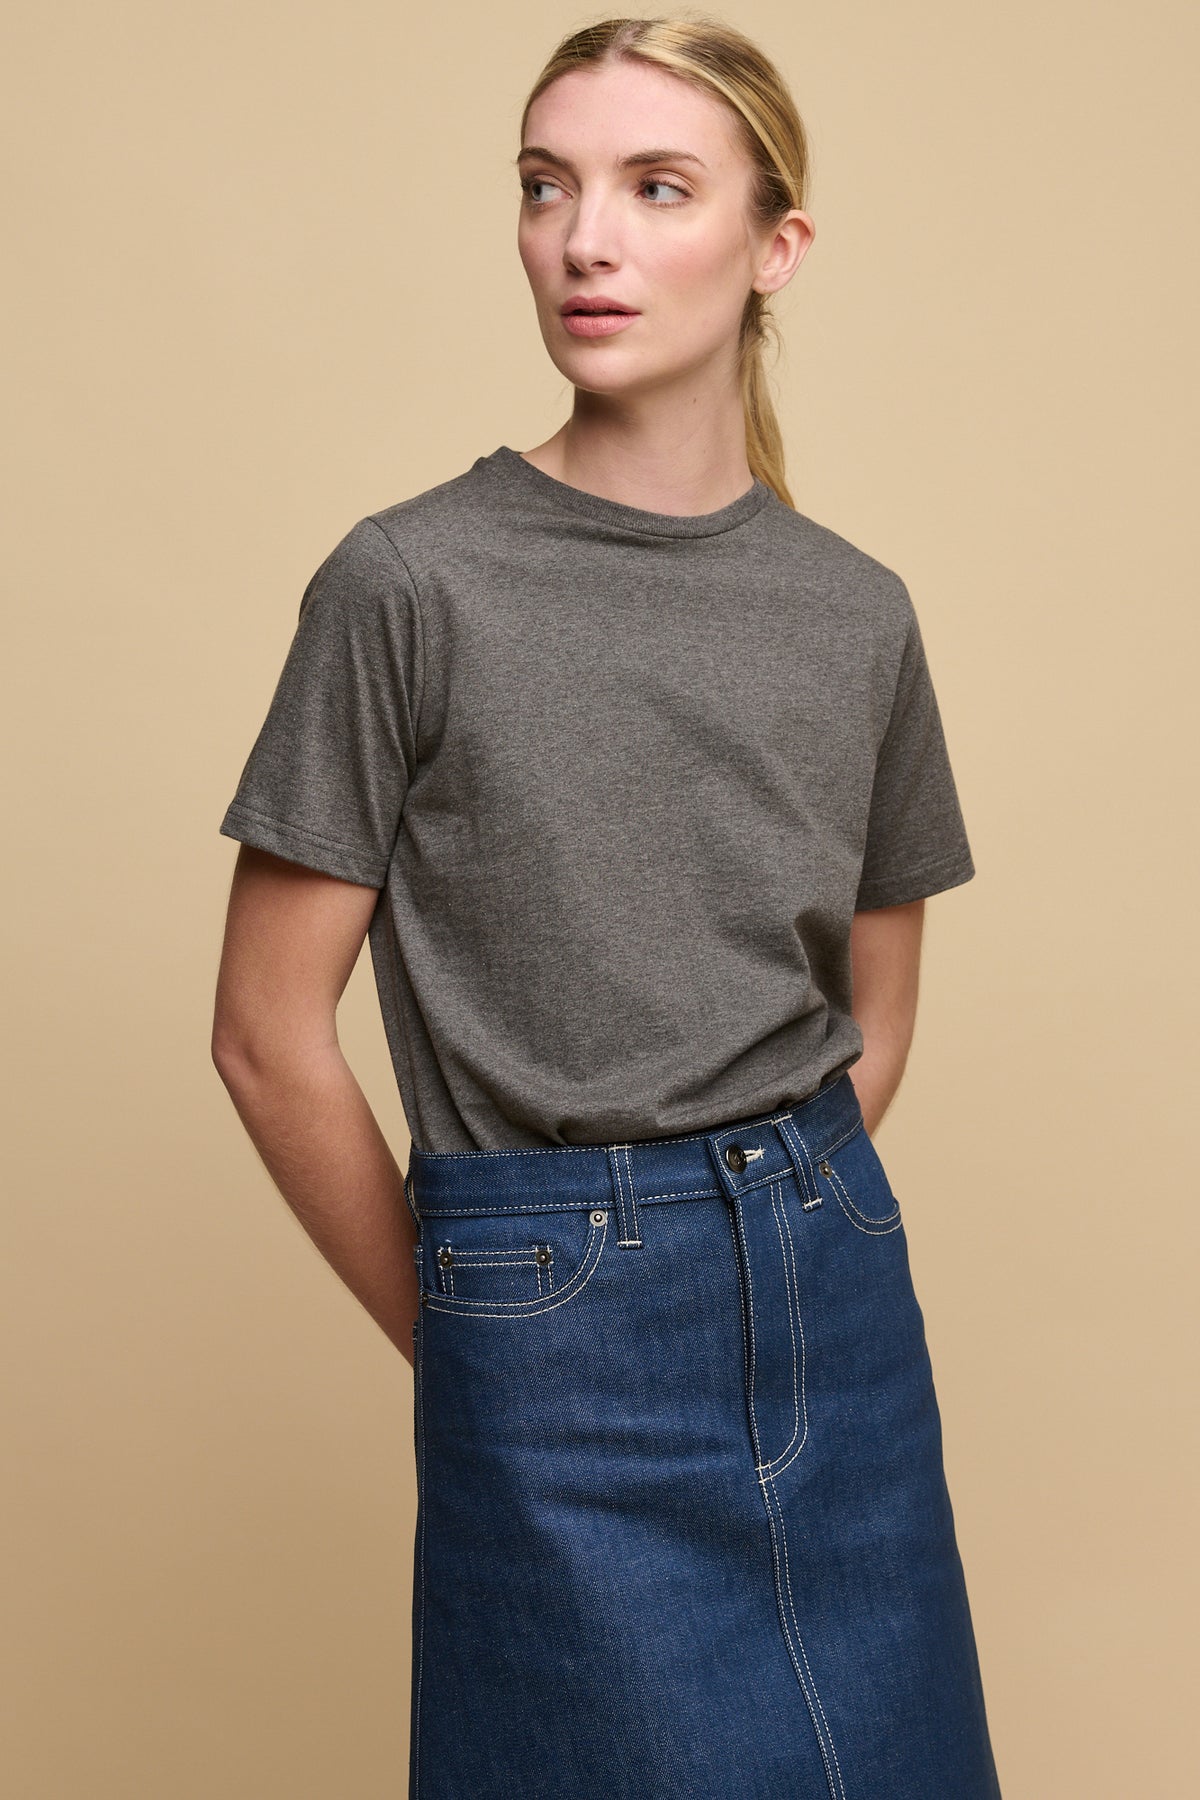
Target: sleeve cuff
(297,844)
(915,884)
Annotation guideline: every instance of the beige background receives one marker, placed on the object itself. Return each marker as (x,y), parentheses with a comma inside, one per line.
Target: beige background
(262,279)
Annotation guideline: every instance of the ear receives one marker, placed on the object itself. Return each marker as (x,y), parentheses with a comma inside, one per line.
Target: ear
(785,251)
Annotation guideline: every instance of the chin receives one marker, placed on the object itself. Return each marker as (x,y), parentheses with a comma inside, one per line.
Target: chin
(601,374)
(609,370)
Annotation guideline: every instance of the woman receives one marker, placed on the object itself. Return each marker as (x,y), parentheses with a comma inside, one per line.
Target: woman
(629,768)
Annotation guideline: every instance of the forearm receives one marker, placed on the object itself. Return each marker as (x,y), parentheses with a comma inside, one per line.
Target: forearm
(885,951)
(322,1145)
(878,1072)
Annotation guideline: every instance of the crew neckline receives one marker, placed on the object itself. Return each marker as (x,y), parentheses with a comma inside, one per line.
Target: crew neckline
(509,463)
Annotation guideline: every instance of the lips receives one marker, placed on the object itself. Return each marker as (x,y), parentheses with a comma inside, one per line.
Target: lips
(598,303)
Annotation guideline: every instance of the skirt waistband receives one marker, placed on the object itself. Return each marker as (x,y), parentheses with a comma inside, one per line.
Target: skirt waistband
(722,1163)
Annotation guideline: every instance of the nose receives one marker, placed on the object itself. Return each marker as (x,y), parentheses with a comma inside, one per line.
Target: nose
(590,240)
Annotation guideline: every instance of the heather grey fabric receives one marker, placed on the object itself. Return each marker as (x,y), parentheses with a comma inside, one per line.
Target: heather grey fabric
(622,779)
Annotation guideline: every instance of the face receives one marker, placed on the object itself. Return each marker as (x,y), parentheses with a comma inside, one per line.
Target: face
(671,238)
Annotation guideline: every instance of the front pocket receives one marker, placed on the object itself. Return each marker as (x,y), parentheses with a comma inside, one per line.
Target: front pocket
(854,1176)
(508,1264)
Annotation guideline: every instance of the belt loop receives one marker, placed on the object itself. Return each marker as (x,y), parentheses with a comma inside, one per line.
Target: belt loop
(797,1149)
(620,1171)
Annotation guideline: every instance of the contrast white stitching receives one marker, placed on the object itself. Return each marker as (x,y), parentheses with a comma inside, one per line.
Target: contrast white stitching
(467,1308)
(747,1376)
(748,1327)
(635,1241)
(602,1197)
(795,1623)
(790,1627)
(799,1402)
(511,1257)
(870,1227)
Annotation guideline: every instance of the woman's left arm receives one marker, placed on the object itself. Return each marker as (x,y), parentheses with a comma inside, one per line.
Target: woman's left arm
(885,958)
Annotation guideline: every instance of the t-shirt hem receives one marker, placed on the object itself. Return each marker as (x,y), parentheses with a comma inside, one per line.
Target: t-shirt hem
(915,884)
(298,844)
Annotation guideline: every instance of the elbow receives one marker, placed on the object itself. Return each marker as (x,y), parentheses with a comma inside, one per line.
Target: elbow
(232,1055)
(241,1054)
(253,1055)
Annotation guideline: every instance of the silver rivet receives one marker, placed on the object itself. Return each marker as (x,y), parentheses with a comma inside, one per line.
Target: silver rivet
(598,1217)
(543,1256)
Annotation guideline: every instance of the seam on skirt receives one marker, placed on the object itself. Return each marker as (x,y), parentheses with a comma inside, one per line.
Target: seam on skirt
(833,1773)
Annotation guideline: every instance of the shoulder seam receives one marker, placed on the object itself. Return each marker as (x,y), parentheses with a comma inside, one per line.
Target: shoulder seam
(369,519)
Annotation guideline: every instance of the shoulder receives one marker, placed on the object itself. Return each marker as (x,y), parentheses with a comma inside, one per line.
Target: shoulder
(425,526)
(384,552)
(867,593)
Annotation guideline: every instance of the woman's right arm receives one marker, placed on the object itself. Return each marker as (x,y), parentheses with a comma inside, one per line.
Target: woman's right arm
(292,937)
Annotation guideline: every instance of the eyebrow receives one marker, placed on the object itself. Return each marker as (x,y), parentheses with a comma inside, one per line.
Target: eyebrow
(637,160)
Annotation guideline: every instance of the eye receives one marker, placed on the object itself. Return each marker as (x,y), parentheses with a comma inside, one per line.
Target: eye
(653,181)
(530,182)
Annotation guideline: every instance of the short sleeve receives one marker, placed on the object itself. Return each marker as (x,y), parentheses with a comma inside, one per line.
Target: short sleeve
(916,840)
(326,779)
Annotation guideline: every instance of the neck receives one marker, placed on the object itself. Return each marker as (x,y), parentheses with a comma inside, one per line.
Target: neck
(670,466)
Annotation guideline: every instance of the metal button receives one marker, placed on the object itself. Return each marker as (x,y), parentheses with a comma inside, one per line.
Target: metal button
(445,1257)
(599,1216)
(735,1156)
(543,1255)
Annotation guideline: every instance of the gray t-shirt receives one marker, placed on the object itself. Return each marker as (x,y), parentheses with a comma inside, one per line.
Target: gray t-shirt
(622,779)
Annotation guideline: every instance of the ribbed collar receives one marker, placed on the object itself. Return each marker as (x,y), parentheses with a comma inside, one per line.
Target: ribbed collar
(510,467)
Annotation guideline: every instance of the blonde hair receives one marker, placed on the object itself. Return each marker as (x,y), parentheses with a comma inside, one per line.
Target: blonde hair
(720,61)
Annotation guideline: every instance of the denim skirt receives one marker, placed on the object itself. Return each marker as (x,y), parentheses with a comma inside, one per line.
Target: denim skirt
(683,1526)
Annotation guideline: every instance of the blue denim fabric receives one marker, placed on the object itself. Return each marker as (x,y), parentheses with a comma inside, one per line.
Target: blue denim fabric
(683,1526)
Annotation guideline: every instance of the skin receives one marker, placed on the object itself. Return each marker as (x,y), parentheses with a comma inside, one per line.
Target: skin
(657,419)
(656,423)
